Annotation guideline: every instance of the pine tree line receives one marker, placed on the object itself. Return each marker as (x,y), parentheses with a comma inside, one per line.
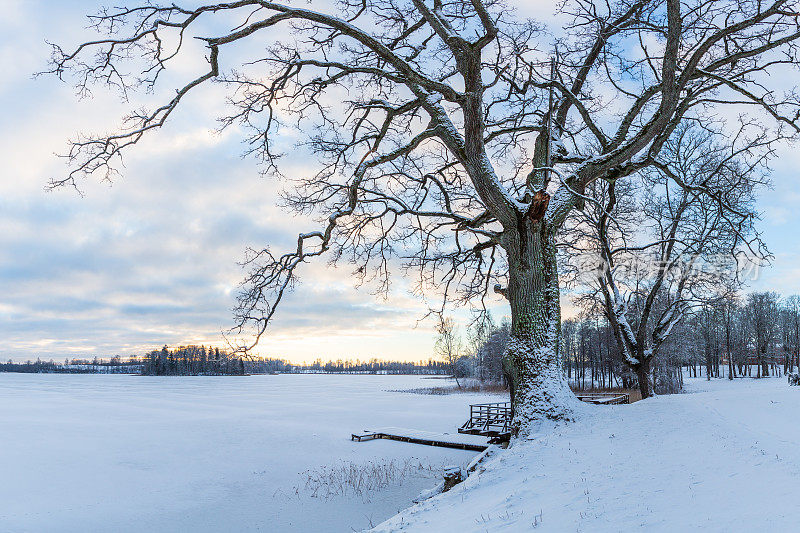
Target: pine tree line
(191,360)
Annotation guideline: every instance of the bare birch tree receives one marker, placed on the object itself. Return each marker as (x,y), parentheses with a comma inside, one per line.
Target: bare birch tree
(791,332)
(449,347)
(764,320)
(446,137)
(729,309)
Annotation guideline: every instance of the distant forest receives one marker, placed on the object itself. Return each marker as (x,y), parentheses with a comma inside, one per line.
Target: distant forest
(191,361)
(195,360)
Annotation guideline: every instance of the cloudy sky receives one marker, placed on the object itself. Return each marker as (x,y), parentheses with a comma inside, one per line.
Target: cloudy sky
(153,258)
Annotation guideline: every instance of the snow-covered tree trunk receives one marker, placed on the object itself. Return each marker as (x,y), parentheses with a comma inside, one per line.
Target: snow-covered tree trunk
(532,360)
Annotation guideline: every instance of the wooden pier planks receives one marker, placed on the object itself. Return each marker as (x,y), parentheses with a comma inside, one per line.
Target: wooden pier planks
(428,438)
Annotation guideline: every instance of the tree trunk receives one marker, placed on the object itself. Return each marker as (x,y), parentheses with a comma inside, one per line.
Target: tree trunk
(644,377)
(728,350)
(532,360)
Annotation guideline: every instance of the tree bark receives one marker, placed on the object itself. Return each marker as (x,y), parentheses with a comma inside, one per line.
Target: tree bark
(532,360)
(644,376)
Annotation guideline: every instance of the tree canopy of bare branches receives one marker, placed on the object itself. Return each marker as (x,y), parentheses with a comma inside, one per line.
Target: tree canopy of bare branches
(452,135)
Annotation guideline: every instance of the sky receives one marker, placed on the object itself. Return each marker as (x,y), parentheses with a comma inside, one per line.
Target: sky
(153,258)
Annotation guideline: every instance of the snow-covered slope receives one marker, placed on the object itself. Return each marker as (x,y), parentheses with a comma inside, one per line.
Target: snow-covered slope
(723,457)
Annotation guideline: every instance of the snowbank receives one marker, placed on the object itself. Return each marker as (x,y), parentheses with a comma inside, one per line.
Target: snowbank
(723,457)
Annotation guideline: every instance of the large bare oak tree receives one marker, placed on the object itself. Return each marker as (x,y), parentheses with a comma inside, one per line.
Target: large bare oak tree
(445,138)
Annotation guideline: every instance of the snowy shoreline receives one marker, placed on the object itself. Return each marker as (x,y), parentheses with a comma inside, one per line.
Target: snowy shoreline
(713,460)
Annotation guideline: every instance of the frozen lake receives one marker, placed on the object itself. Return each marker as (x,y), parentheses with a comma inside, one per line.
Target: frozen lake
(131,453)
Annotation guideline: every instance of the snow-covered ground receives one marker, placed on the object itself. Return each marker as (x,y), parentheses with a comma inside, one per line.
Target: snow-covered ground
(725,456)
(129,453)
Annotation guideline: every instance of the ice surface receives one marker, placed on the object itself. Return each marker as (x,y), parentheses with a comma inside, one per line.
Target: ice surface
(131,453)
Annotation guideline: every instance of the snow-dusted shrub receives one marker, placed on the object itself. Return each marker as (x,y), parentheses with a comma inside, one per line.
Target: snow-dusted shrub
(794,379)
(467,385)
(667,380)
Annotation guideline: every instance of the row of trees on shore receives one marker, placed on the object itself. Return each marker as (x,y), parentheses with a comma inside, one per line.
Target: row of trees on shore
(191,361)
(195,360)
(753,336)
(758,335)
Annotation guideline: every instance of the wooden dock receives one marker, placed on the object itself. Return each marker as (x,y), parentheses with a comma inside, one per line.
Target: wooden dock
(494,419)
(489,420)
(604,398)
(486,420)
(428,438)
